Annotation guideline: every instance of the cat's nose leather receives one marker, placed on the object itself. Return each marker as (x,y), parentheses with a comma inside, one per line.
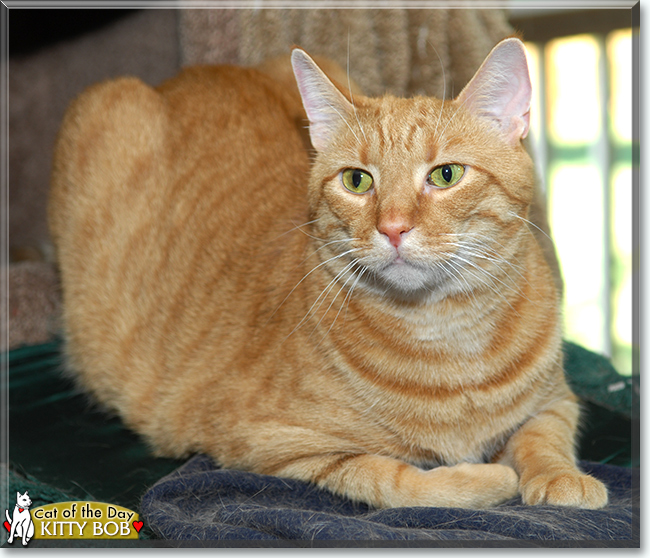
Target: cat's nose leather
(395,230)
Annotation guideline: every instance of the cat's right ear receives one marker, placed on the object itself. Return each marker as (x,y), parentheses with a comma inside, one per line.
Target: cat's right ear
(326,107)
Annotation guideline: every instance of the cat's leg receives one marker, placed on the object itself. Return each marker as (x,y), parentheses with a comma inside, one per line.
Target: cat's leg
(22,532)
(542,452)
(385,482)
(348,470)
(28,531)
(12,531)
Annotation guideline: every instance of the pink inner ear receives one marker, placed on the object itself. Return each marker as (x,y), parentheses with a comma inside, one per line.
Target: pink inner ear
(325,106)
(501,91)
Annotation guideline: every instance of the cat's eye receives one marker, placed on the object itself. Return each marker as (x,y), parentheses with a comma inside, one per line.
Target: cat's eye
(356,180)
(445,176)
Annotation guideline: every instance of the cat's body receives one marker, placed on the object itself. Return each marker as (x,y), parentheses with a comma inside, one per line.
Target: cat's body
(21,524)
(212,296)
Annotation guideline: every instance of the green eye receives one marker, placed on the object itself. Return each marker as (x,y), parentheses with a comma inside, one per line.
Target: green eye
(445,176)
(356,180)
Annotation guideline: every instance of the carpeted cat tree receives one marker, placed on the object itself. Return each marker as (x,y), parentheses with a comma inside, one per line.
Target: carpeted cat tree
(60,449)
(401,51)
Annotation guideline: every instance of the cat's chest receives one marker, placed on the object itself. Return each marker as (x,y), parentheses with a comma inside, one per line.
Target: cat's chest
(431,404)
(436,432)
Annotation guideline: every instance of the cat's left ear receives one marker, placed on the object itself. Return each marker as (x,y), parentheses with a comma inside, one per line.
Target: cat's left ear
(326,107)
(501,91)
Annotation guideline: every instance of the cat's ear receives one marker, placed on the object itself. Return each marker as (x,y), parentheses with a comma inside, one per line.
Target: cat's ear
(326,107)
(501,91)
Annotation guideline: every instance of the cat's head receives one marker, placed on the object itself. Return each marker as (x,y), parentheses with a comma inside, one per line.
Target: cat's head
(422,194)
(23,500)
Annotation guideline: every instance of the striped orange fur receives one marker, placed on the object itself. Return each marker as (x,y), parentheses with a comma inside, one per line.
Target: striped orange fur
(225,294)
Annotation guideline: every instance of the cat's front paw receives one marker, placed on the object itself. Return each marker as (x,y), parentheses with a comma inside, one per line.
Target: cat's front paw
(480,485)
(565,488)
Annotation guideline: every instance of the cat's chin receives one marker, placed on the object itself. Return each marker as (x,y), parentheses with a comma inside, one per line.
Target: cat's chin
(411,282)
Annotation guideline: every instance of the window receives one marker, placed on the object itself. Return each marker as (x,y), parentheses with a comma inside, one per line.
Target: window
(581,133)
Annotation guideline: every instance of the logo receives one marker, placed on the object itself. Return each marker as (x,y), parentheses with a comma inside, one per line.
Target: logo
(20,524)
(71,520)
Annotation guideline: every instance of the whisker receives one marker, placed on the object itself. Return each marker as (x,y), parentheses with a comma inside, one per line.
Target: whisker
(323,294)
(492,279)
(307,275)
(297,227)
(456,272)
(354,108)
(349,295)
(444,86)
(344,120)
(480,250)
(474,265)
(530,223)
(347,268)
(328,244)
(346,299)
(496,259)
(483,245)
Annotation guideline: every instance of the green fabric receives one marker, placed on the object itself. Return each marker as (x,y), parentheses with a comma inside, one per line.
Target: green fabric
(58,437)
(595,380)
(610,420)
(61,447)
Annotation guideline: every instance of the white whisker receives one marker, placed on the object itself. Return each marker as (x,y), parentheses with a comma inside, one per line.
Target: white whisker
(354,108)
(344,120)
(444,86)
(491,277)
(328,244)
(307,275)
(530,223)
(496,259)
(347,268)
(322,295)
(296,227)
(455,270)
(346,299)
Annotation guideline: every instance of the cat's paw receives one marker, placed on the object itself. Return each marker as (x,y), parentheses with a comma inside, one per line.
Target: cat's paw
(504,483)
(482,485)
(565,488)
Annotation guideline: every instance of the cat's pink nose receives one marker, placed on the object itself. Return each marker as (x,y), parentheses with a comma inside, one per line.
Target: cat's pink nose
(395,230)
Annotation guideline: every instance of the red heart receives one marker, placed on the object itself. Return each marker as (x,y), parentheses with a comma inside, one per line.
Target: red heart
(8,526)
(21,510)
(138,525)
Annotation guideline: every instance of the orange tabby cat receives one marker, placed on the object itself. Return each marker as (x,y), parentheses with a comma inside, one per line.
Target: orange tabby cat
(381,322)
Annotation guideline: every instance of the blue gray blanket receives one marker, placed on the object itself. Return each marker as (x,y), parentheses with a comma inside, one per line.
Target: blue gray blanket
(202,502)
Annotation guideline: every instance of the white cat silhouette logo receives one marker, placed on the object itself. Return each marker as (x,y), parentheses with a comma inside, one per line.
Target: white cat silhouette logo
(20,525)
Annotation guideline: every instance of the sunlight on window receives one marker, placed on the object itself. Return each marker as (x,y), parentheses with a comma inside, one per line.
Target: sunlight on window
(619,52)
(573,99)
(589,184)
(578,229)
